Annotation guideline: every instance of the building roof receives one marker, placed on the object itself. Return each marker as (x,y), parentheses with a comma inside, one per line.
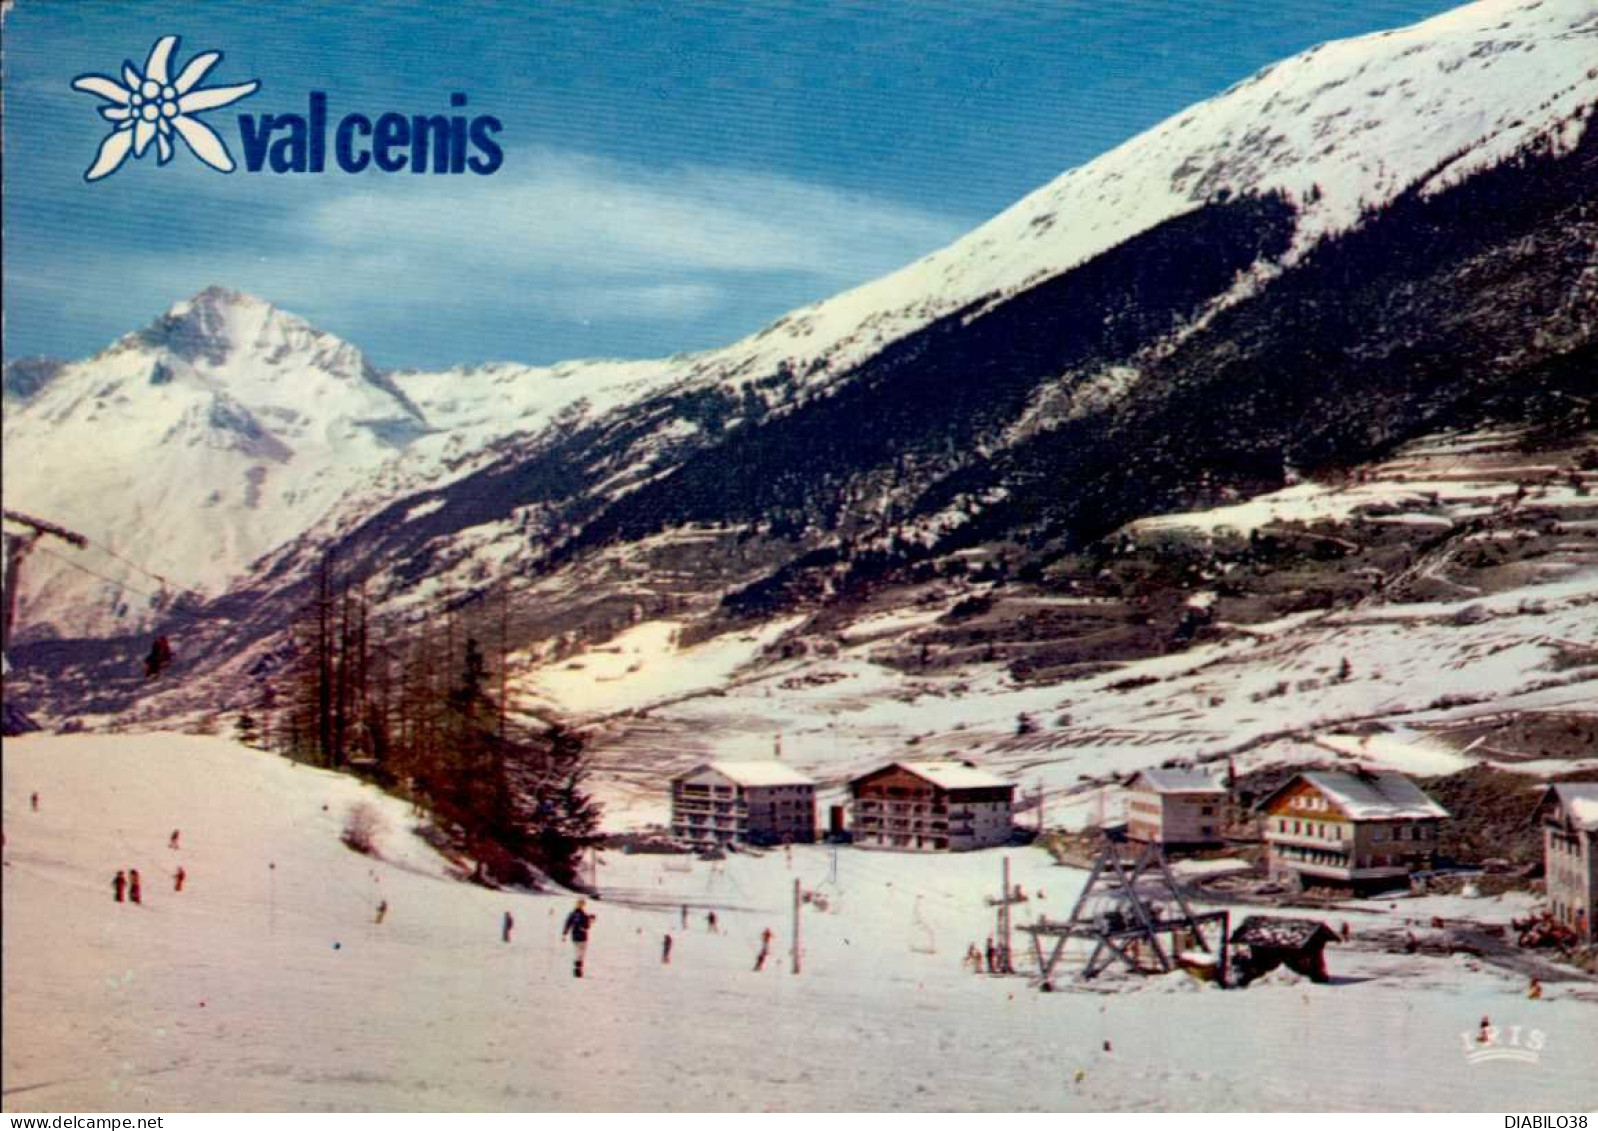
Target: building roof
(767,771)
(1282,934)
(1366,796)
(1579,799)
(1176,781)
(948,775)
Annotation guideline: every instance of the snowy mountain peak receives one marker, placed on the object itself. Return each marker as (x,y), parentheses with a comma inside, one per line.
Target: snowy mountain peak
(217,325)
(240,423)
(216,299)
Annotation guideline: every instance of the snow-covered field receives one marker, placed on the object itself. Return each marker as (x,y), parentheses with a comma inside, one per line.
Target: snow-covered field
(1271,695)
(645,665)
(266,983)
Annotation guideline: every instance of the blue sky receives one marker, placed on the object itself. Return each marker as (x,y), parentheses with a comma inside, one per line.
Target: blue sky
(676,174)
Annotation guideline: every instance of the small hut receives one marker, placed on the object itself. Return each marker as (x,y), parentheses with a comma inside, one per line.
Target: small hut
(1298,944)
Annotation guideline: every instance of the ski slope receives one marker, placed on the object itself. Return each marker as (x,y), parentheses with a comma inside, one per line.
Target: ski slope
(272,988)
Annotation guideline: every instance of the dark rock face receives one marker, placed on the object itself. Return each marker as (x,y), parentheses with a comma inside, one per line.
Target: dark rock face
(27,375)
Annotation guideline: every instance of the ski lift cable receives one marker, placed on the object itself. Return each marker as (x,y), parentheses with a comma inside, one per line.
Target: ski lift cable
(123,585)
(166,582)
(92,573)
(97,544)
(861,863)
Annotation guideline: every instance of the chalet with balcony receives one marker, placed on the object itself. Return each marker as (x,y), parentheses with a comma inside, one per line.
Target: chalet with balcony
(761,802)
(1570,855)
(931,806)
(1359,830)
(1175,808)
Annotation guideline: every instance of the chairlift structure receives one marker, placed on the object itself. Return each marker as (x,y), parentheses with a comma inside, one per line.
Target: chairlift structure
(1123,911)
(17,548)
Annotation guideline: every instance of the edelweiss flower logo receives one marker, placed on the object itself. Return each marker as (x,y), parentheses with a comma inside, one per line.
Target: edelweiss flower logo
(148,107)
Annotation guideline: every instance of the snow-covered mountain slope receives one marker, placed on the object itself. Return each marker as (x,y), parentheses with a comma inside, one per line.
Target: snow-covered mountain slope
(1412,608)
(1072,300)
(1198,361)
(187,449)
(284,418)
(1341,129)
(267,985)
(1262,694)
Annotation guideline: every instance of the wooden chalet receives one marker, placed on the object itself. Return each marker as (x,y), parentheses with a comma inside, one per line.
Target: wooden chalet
(1360,830)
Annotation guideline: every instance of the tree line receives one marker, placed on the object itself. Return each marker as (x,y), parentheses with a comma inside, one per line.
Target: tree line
(423,711)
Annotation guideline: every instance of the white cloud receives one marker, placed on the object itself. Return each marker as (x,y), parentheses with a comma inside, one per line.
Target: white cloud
(660,302)
(601,246)
(600,217)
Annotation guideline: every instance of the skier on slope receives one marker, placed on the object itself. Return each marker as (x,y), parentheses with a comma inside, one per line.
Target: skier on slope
(577,925)
(506,927)
(765,950)
(135,893)
(665,951)
(119,885)
(178,877)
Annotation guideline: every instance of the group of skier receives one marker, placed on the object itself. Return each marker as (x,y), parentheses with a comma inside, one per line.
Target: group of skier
(581,921)
(127,886)
(979,962)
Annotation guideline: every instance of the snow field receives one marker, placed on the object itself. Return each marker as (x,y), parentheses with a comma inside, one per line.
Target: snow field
(233,996)
(645,665)
(839,716)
